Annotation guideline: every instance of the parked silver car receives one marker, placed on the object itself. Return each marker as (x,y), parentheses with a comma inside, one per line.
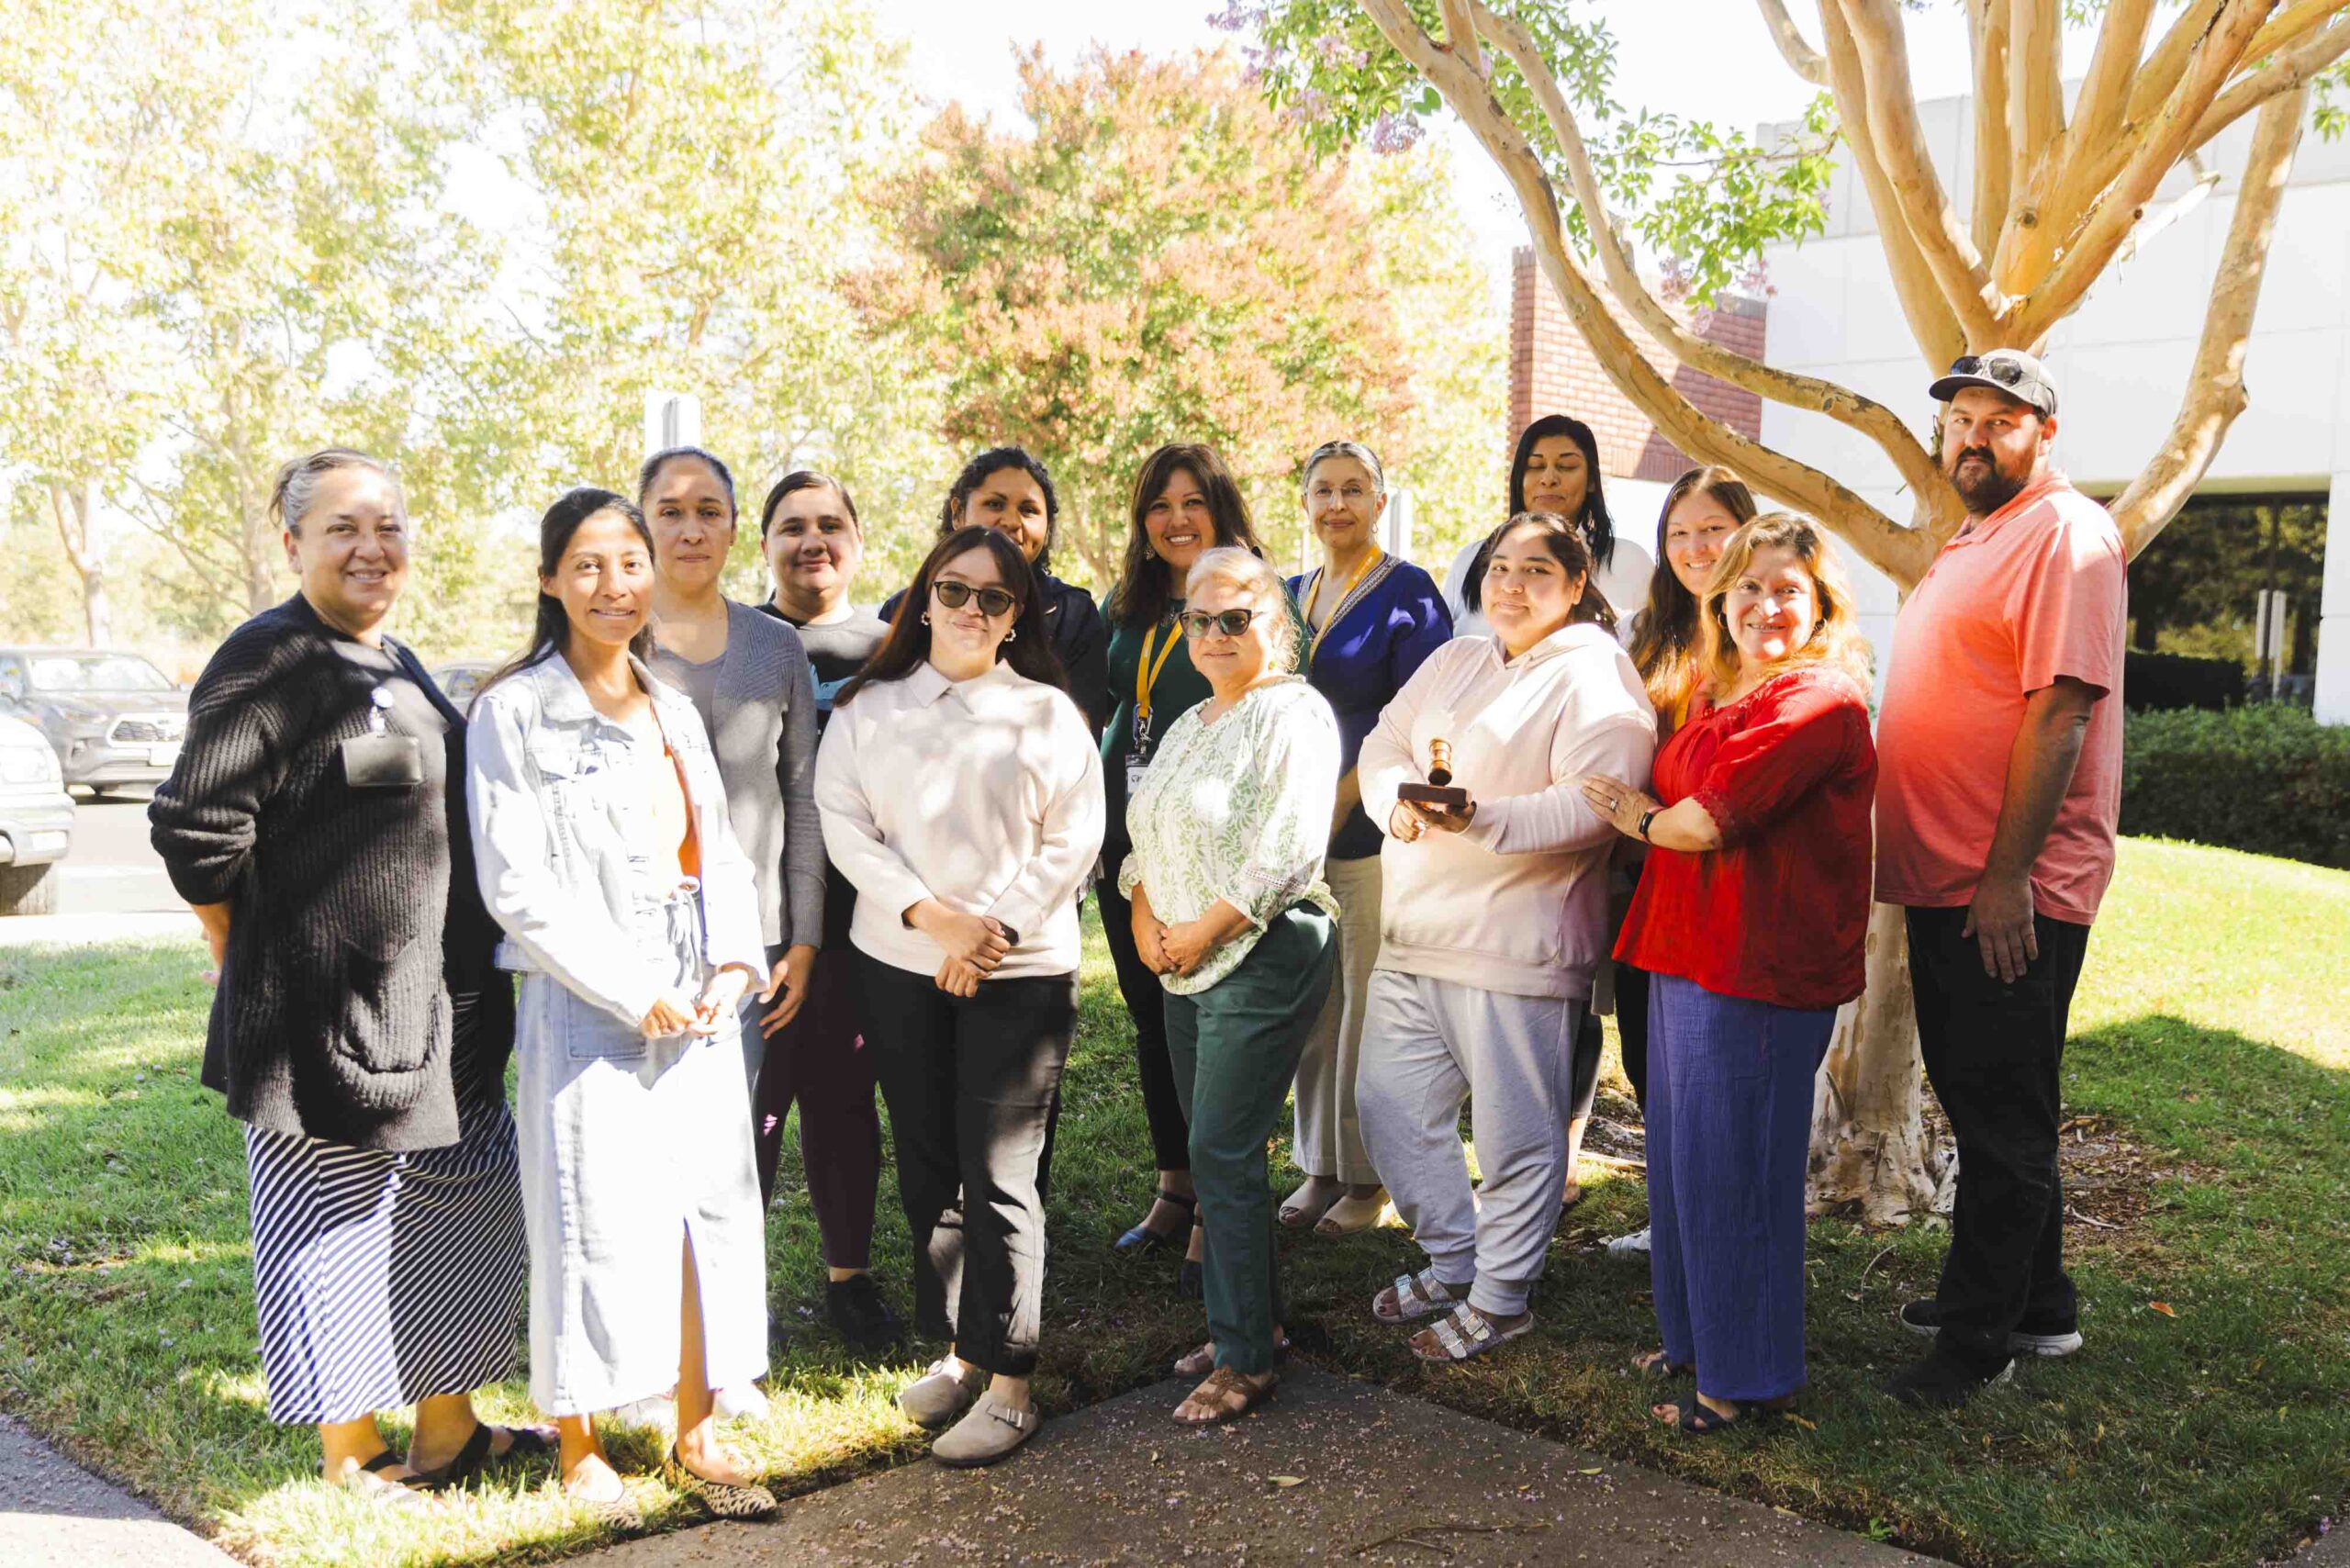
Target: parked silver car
(113,718)
(35,819)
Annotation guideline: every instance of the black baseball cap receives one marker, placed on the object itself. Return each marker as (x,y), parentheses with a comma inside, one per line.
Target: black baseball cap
(2010,371)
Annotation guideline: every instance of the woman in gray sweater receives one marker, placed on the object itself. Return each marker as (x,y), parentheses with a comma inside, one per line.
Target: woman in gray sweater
(747,677)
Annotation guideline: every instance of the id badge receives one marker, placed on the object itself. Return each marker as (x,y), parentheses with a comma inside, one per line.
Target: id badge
(383,762)
(1137,766)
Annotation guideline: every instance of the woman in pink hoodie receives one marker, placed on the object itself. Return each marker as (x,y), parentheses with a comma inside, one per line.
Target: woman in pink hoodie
(1495,920)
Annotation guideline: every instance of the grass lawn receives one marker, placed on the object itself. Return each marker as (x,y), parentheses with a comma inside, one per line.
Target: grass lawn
(2210,1065)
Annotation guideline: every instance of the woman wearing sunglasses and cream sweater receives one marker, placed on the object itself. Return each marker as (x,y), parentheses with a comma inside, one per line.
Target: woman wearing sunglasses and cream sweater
(961,795)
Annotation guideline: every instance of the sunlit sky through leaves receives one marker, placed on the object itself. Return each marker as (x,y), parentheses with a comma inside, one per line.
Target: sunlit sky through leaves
(1702,59)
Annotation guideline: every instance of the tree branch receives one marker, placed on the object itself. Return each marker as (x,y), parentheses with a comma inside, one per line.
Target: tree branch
(2035,92)
(2215,393)
(2086,254)
(1900,143)
(1987,25)
(1461,35)
(1847,408)
(1901,553)
(2294,68)
(1802,59)
(2189,200)
(2098,115)
(2162,70)
(1931,320)
(2289,25)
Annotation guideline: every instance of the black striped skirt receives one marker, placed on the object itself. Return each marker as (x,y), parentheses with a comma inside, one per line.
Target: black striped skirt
(381,1279)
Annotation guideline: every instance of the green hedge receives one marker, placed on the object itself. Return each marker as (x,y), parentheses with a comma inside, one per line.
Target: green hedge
(2267,778)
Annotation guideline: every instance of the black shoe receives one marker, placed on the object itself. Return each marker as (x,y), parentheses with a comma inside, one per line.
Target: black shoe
(1142,1239)
(861,1316)
(1944,1382)
(2030,1338)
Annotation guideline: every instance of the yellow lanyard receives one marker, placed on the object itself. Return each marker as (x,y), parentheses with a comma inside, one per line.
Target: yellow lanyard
(1314,597)
(1146,676)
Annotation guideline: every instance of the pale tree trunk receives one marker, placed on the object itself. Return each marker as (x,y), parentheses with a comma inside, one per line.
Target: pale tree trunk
(76,512)
(2052,205)
(1869,1143)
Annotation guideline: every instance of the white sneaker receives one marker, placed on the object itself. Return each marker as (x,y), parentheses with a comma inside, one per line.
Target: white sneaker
(658,1412)
(1626,1246)
(744,1400)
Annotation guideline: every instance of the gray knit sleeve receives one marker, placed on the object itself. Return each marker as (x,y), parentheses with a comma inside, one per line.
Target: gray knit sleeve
(803,832)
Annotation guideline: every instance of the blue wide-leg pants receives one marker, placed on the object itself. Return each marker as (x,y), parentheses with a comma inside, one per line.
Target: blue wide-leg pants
(1728,1142)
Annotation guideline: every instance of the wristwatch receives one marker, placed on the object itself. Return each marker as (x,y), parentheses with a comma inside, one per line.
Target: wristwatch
(1646,817)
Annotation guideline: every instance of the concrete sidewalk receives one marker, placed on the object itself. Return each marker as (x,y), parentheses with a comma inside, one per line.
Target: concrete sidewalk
(54,1514)
(1385,1480)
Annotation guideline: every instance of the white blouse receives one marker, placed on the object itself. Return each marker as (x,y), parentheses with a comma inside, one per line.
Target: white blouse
(983,794)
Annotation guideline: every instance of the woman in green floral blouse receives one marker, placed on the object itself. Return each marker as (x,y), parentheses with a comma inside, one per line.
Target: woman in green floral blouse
(1229,823)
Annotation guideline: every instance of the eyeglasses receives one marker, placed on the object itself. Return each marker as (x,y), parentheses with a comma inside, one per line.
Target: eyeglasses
(1352,494)
(1197,623)
(2005,371)
(993,601)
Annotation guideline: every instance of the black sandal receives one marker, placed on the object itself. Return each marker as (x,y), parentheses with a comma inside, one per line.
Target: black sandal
(1696,1421)
(1657,1367)
(477,1454)
(1142,1239)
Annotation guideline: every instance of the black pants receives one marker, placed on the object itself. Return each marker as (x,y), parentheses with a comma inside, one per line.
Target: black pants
(1992,1053)
(1632,1027)
(970,1084)
(1171,1130)
(1591,1041)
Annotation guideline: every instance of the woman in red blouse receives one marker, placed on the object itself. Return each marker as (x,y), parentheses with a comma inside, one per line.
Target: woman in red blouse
(1750,916)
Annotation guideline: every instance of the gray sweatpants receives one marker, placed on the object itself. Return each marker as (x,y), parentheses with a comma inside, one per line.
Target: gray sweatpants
(1427,1045)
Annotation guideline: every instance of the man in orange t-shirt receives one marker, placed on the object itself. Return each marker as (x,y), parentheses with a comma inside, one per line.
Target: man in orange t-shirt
(1998,789)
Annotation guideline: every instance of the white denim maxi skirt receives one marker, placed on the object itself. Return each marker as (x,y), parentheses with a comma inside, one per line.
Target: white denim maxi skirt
(631,1146)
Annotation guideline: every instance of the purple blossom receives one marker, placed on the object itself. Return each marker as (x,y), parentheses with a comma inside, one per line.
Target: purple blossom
(1394,132)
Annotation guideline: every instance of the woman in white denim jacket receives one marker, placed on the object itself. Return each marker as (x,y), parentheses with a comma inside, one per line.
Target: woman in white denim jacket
(601,826)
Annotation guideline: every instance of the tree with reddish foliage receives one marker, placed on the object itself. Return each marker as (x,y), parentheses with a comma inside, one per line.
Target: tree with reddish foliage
(1161,261)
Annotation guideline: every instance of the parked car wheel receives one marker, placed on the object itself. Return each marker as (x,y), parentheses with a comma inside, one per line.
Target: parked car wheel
(29,889)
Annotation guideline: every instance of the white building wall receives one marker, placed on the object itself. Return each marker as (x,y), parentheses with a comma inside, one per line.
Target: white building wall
(2122,361)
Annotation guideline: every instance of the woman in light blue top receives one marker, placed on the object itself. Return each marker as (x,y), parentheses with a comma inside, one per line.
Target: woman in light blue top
(604,851)
(1229,823)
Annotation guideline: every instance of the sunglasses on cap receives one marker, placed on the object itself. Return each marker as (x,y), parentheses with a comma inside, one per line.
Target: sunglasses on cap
(1231,622)
(993,601)
(2005,371)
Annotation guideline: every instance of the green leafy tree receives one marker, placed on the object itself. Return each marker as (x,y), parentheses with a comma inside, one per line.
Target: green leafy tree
(1453,453)
(2059,192)
(1158,263)
(691,173)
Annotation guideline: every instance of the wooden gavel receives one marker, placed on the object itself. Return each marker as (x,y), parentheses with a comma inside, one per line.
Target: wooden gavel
(1440,791)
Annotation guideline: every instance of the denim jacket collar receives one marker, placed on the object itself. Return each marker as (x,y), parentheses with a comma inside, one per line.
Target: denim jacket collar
(564,701)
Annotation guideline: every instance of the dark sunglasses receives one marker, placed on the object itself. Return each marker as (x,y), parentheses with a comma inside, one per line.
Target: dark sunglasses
(993,601)
(1231,622)
(2005,371)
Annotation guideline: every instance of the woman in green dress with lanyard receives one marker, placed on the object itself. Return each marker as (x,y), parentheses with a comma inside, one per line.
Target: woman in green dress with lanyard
(1185,503)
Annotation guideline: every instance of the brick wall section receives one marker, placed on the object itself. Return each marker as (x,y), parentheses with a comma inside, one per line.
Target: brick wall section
(1553,370)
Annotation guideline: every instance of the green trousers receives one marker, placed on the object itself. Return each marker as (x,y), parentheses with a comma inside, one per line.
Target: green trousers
(1235,1049)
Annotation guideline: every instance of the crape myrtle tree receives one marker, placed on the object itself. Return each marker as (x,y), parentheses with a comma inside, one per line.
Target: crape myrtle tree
(2055,198)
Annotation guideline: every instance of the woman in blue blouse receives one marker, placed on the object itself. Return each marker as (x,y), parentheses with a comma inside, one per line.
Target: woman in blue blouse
(1371,619)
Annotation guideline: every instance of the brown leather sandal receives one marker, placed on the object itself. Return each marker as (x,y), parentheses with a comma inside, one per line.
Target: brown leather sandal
(1222,1387)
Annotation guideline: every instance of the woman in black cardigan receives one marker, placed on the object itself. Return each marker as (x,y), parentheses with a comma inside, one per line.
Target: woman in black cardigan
(316,823)
(1006,490)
